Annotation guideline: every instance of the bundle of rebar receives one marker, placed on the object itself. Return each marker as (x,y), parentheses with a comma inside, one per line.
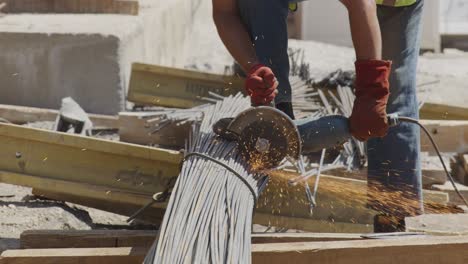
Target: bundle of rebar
(209,215)
(162,117)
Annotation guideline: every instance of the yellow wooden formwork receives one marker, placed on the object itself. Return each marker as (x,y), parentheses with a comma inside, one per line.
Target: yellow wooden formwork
(170,87)
(86,167)
(121,178)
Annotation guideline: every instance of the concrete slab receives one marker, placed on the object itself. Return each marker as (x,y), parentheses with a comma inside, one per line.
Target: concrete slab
(439,224)
(46,57)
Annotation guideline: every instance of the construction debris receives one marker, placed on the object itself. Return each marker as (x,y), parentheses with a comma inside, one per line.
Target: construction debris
(163,127)
(21,115)
(72,118)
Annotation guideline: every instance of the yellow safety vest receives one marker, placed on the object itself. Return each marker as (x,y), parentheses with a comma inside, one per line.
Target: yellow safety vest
(396,2)
(293,6)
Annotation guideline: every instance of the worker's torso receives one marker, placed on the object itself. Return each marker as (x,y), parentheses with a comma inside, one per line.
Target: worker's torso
(397,3)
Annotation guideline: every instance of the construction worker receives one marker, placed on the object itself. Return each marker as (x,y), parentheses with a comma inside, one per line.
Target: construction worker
(386,42)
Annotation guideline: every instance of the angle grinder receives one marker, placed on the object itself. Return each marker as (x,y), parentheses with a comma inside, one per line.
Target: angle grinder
(266,135)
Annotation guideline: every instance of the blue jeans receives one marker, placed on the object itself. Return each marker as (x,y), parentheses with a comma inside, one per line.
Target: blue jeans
(394,161)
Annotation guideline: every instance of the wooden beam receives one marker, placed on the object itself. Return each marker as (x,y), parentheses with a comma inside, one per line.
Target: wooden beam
(133,129)
(310,225)
(170,87)
(264,238)
(86,238)
(85,167)
(339,200)
(121,178)
(332,215)
(145,238)
(22,115)
(429,250)
(81,159)
(127,7)
(453,196)
(443,112)
(122,255)
(450,135)
(431,173)
(118,201)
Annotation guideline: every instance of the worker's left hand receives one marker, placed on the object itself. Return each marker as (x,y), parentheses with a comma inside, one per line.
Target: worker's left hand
(369,116)
(261,85)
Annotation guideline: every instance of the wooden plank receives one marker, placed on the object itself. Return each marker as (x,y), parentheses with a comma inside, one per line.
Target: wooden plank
(453,196)
(144,238)
(431,174)
(127,7)
(450,135)
(115,201)
(122,255)
(104,198)
(342,214)
(334,214)
(263,238)
(122,177)
(133,129)
(338,200)
(22,115)
(310,225)
(170,87)
(85,167)
(76,158)
(86,238)
(443,112)
(429,250)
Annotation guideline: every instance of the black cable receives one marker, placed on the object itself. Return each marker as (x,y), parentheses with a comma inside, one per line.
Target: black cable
(414,121)
(201,155)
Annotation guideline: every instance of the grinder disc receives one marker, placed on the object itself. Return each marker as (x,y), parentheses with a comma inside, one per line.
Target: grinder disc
(266,137)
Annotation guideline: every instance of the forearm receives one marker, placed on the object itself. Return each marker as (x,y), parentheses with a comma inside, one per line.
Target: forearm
(236,39)
(365,29)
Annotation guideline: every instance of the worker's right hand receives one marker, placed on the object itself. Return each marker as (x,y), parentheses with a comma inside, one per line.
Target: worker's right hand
(261,84)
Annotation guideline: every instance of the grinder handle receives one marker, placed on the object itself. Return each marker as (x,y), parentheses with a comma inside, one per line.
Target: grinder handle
(328,131)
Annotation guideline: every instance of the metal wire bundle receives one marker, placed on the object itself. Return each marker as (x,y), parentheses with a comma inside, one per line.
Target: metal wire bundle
(209,215)
(162,117)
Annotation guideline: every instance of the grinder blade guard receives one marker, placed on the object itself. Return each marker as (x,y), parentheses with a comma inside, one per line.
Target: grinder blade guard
(265,136)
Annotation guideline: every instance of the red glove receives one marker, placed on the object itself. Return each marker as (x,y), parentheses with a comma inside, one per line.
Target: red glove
(369,117)
(261,84)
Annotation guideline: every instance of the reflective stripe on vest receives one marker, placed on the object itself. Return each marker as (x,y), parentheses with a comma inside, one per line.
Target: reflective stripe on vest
(396,2)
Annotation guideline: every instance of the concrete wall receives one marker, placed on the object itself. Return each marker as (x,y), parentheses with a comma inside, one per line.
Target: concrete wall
(88,57)
(327,21)
(40,69)
(454,17)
